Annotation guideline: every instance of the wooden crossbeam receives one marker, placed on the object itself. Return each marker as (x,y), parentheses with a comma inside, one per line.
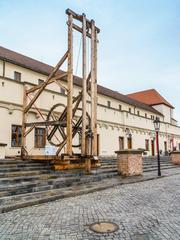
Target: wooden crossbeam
(79,29)
(46,123)
(35,88)
(80,18)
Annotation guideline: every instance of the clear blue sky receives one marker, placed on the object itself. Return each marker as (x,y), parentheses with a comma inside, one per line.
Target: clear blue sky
(139,41)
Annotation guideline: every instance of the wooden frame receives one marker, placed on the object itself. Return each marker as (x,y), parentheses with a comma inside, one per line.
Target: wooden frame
(67,124)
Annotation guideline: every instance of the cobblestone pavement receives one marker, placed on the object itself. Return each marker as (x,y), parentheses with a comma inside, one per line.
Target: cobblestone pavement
(143,211)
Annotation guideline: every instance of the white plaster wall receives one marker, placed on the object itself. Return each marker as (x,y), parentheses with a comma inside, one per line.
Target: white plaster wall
(165,110)
(111,121)
(1,68)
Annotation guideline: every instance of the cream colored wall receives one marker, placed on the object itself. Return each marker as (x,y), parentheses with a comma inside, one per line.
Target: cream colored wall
(165,110)
(111,121)
(1,68)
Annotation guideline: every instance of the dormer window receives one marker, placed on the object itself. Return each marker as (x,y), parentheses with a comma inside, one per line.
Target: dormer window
(62,90)
(152,117)
(129,110)
(17,76)
(108,104)
(40,81)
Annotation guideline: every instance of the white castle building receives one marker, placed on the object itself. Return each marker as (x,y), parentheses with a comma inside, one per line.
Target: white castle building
(124,121)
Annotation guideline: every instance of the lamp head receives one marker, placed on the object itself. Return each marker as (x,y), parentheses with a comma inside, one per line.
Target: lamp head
(156,124)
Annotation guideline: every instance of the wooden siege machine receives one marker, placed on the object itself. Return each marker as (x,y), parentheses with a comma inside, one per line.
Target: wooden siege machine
(74,120)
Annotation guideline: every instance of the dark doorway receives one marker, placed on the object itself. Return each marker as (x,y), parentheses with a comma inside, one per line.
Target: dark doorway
(152,147)
(129,142)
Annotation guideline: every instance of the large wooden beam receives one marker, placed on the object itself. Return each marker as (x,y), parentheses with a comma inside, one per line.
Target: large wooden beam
(93,91)
(84,90)
(70,85)
(58,77)
(95,97)
(80,18)
(46,123)
(24,119)
(79,29)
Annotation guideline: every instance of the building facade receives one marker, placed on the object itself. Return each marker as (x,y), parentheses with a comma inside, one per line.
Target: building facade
(123,121)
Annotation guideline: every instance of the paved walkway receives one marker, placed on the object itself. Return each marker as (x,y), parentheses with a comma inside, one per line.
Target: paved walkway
(143,211)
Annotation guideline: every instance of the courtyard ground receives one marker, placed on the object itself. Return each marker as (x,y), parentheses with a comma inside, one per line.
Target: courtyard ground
(143,211)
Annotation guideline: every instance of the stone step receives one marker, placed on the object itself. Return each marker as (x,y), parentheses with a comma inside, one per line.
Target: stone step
(150,162)
(155,164)
(155,168)
(21,165)
(16,161)
(38,186)
(23,173)
(10,203)
(18,179)
(25,168)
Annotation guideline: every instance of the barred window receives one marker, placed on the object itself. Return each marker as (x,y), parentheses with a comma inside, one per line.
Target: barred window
(17,76)
(40,138)
(108,104)
(40,81)
(16,136)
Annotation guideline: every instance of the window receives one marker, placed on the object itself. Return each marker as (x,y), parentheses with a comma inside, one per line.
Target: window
(120,107)
(138,113)
(130,110)
(62,90)
(17,76)
(108,104)
(145,115)
(16,136)
(179,146)
(40,138)
(129,142)
(152,117)
(147,144)
(40,81)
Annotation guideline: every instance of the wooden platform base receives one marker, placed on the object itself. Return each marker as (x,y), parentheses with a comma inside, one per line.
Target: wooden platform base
(65,162)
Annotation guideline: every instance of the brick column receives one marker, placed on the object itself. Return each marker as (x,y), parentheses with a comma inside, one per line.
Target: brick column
(129,162)
(2,150)
(175,157)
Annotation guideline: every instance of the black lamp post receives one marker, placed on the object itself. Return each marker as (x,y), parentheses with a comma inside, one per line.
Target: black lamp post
(157,127)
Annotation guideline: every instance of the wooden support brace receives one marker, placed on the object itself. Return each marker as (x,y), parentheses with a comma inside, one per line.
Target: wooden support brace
(43,85)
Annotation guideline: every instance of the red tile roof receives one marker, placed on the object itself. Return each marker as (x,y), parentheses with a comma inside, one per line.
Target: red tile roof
(150,97)
(37,66)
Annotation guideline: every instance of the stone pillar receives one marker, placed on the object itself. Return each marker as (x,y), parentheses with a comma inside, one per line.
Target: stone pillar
(129,162)
(175,157)
(2,150)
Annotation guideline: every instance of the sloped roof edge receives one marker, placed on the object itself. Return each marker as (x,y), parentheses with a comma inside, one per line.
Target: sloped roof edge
(43,68)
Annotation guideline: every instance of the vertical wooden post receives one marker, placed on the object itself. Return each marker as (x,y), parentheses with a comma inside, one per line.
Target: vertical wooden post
(93,90)
(24,118)
(70,85)
(95,97)
(84,93)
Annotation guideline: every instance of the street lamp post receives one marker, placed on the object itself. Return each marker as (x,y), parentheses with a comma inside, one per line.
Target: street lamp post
(157,127)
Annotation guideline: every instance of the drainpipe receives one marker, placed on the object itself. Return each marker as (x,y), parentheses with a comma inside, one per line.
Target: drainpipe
(3,68)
